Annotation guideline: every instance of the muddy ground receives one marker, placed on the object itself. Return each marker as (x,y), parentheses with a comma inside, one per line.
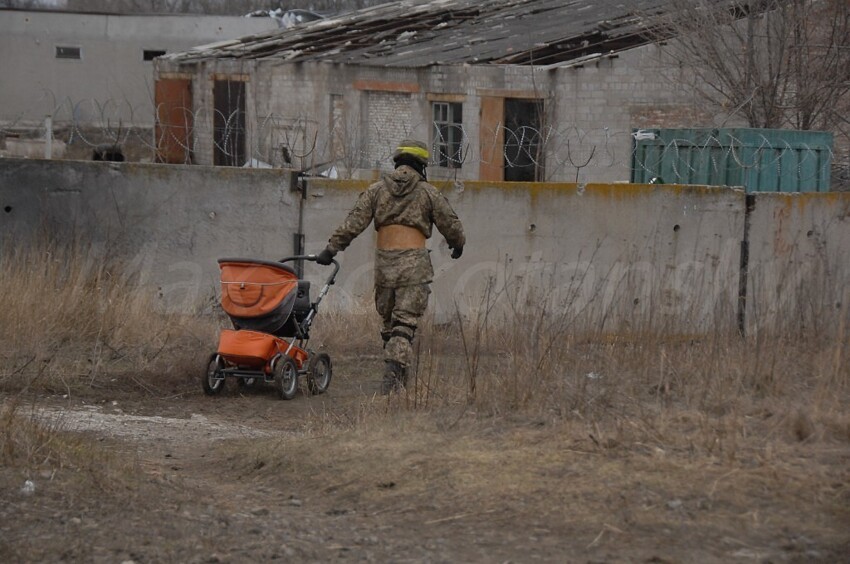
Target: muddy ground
(175,476)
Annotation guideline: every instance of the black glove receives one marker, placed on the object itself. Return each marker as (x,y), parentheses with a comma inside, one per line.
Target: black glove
(326,256)
(456,252)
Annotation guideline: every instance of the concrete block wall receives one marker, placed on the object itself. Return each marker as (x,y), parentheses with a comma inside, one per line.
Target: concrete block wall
(590,109)
(111,80)
(290,104)
(598,105)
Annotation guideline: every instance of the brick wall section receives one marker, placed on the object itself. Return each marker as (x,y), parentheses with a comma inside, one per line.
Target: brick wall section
(390,121)
(666,116)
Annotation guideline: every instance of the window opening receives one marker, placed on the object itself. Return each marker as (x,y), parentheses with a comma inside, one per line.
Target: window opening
(151,54)
(523,147)
(448,134)
(229,123)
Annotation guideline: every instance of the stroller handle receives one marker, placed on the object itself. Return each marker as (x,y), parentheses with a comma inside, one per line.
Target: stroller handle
(313,258)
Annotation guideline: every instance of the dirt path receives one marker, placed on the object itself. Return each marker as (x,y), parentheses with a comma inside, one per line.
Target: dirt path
(189,506)
(194,495)
(193,505)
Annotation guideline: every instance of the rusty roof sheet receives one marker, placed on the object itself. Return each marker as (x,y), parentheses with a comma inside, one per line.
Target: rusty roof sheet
(414,34)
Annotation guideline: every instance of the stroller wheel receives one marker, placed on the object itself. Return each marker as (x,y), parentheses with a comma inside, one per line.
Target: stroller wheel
(319,373)
(213,378)
(286,378)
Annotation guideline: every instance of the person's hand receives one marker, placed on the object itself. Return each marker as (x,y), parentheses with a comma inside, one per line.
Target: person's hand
(456,252)
(326,256)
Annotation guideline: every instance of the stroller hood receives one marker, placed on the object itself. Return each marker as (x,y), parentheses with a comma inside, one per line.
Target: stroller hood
(257,293)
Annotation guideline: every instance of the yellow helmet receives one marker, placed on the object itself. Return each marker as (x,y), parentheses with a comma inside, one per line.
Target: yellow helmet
(412,148)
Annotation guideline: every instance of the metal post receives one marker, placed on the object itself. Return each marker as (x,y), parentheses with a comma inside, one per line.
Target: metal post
(297,182)
(744,266)
(48,137)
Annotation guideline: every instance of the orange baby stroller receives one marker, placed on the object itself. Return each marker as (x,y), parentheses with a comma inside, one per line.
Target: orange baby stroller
(268,304)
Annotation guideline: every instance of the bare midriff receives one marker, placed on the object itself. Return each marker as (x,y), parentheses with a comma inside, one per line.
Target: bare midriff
(399,237)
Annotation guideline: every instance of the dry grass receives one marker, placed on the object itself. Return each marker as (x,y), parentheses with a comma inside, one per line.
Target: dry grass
(691,483)
(513,417)
(714,436)
(75,325)
(545,370)
(71,321)
(354,329)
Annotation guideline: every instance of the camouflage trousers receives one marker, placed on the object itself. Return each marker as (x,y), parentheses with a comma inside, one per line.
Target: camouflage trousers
(402,289)
(400,310)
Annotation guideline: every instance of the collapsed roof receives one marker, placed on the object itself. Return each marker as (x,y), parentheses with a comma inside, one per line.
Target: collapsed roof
(413,34)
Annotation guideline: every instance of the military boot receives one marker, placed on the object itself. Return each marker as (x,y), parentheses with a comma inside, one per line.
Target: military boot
(393,374)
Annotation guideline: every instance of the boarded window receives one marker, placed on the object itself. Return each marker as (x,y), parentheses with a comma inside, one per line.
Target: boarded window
(174,121)
(448,134)
(491,137)
(229,123)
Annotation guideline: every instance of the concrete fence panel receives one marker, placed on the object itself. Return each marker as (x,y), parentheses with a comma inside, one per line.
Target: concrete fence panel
(170,223)
(799,263)
(613,258)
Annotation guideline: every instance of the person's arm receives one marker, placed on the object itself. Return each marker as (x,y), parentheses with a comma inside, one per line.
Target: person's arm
(358,219)
(448,224)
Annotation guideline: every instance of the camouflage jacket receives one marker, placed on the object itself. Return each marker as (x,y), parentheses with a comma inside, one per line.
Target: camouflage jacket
(400,198)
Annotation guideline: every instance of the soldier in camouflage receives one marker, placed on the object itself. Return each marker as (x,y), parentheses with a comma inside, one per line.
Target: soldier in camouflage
(404,207)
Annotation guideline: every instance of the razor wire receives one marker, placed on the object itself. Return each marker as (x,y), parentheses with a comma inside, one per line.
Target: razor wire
(547,152)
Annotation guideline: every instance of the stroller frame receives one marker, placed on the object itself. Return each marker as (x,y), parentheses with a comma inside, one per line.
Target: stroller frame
(252,355)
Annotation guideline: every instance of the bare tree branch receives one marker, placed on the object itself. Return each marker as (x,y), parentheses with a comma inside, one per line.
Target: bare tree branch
(774,62)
